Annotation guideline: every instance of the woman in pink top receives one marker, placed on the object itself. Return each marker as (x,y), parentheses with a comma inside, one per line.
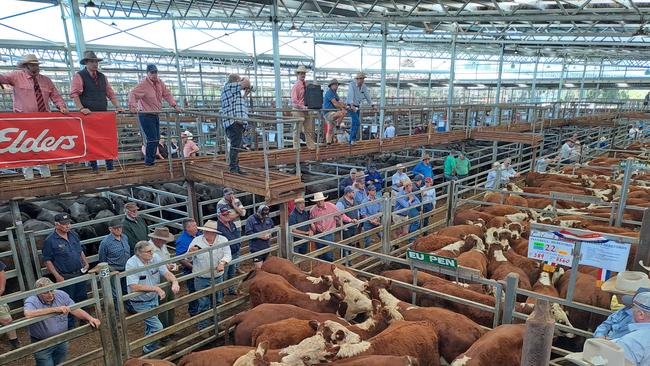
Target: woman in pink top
(190,148)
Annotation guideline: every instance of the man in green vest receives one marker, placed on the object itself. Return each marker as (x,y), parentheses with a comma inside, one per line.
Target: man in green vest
(462,165)
(450,166)
(133,226)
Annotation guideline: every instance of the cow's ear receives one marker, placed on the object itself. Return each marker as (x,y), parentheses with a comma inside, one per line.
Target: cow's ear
(337,296)
(262,348)
(313,324)
(326,280)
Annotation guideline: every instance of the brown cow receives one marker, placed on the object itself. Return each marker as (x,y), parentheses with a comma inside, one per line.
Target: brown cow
(516,200)
(500,210)
(500,346)
(433,242)
(246,321)
(342,273)
(219,356)
(499,268)
(474,259)
(456,332)
(470,217)
(471,241)
(545,286)
(295,276)
(498,222)
(461,231)
(531,267)
(406,275)
(147,362)
(586,292)
(376,360)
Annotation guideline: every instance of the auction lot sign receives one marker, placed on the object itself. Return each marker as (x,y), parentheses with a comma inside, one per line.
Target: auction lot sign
(28,139)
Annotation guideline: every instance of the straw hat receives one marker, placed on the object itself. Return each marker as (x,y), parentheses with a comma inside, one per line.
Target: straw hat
(626,283)
(28,59)
(301,68)
(319,196)
(299,200)
(162,232)
(89,56)
(188,134)
(360,75)
(399,166)
(210,226)
(599,351)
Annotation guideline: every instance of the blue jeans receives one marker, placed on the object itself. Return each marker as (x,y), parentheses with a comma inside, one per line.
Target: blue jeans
(356,123)
(231,272)
(51,356)
(193,306)
(151,324)
(77,293)
(427,207)
(150,126)
(369,226)
(109,164)
(205,302)
(118,297)
(329,256)
(302,248)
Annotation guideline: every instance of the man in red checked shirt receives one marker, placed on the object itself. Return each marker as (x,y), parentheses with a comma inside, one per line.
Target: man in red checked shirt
(300,111)
(89,90)
(32,93)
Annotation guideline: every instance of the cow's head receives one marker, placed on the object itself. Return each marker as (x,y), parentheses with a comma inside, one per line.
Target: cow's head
(561,317)
(348,278)
(317,348)
(352,301)
(475,242)
(514,188)
(516,228)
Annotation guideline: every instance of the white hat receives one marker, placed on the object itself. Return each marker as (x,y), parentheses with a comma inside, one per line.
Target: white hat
(211,226)
(600,352)
(627,282)
(301,68)
(188,134)
(319,196)
(399,166)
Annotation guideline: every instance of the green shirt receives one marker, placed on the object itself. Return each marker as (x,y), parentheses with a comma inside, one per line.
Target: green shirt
(462,166)
(135,230)
(450,164)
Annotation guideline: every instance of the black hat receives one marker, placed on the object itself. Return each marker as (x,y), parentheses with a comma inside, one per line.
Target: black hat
(62,219)
(152,67)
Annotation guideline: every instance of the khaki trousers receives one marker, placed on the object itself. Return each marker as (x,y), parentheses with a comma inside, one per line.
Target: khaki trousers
(307,126)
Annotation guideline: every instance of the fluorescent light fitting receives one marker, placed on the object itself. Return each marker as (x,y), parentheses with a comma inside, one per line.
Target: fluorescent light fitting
(412,85)
(622,85)
(522,85)
(481,86)
(569,85)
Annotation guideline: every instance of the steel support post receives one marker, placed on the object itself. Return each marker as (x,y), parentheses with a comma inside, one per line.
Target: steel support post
(600,76)
(512,281)
(257,86)
(495,147)
(450,89)
(314,61)
(625,186)
(429,84)
(283,239)
(201,85)
(497,111)
(581,96)
(178,66)
(533,91)
(276,72)
(382,88)
(22,245)
(399,75)
(450,202)
(556,111)
(110,313)
(361,60)
(68,47)
(385,224)
(193,206)
(643,249)
(77,28)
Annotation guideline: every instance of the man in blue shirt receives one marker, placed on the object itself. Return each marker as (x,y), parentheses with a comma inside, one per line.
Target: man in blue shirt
(233,104)
(373,207)
(636,343)
(333,109)
(227,228)
(347,181)
(297,216)
(424,167)
(359,187)
(357,92)
(409,201)
(258,223)
(190,231)
(114,249)
(54,307)
(374,177)
(65,259)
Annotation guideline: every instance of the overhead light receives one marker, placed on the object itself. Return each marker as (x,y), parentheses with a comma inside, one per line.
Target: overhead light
(622,85)
(522,85)
(90,4)
(516,51)
(412,85)
(569,85)
(400,40)
(481,86)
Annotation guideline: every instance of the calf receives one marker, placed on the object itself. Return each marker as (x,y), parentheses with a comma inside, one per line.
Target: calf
(586,292)
(455,331)
(377,360)
(406,275)
(500,210)
(499,268)
(544,286)
(433,242)
(500,346)
(471,241)
(295,276)
(343,274)
(498,222)
(247,321)
(470,217)
(516,200)
(530,266)
(461,231)
(476,259)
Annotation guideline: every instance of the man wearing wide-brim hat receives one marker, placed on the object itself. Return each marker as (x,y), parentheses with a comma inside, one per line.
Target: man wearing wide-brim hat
(300,111)
(31,92)
(159,238)
(89,90)
(357,93)
(322,209)
(333,109)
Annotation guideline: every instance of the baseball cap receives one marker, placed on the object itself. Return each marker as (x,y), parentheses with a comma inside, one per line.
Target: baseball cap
(642,301)
(299,200)
(228,191)
(115,223)
(418,178)
(353,170)
(224,210)
(62,219)
(151,68)
(629,299)
(372,187)
(348,189)
(428,179)
(399,166)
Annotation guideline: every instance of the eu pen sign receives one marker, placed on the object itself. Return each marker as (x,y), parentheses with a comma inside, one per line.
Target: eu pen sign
(432,258)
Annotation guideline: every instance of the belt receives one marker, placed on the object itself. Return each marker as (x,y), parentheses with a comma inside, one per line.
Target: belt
(148,114)
(141,300)
(70,273)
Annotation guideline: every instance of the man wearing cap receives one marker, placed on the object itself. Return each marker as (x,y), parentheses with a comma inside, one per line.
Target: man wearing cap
(347,181)
(226,227)
(615,326)
(232,203)
(65,259)
(114,249)
(298,103)
(297,216)
(209,265)
(424,167)
(359,187)
(52,307)
(145,99)
(462,165)
(508,170)
(31,92)
(159,239)
(398,178)
(233,104)
(372,207)
(329,215)
(636,343)
(89,90)
(190,231)
(357,92)
(373,177)
(449,170)
(258,223)
(190,148)
(491,180)
(146,284)
(133,226)
(333,109)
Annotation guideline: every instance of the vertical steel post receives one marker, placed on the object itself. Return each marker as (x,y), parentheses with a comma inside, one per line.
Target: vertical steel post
(77,28)
(192,203)
(497,111)
(512,281)
(452,77)
(556,111)
(429,84)
(399,75)
(178,66)
(382,88)
(21,243)
(625,185)
(68,51)
(110,314)
(385,224)
(276,73)
(286,249)
(533,91)
(255,63)
(451,194)
(582,82)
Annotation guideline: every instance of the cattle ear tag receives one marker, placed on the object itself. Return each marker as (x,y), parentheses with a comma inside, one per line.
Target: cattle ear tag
(548,268)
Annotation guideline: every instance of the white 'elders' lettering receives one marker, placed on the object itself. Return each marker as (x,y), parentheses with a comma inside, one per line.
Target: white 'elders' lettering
(42,143)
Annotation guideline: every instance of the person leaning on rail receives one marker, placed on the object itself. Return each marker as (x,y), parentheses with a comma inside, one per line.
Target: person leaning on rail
(257,223)
(31,93)
(114,250)
(159,239)
(54,306)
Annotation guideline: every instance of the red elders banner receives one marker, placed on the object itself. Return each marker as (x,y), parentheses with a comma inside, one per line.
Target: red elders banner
(28,139)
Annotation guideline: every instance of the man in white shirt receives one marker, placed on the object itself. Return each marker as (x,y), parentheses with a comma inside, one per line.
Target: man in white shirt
(209,265)
(566,151)
(159,239)
(399,177)
(389,133)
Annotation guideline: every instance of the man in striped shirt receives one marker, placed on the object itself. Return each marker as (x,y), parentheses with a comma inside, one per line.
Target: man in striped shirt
(233,104)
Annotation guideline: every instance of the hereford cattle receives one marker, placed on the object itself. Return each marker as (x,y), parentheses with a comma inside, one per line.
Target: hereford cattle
(545,286)
(148,362)
(531,267)
(498,222)
(219,356)
(376,360)
(343,274)
(494,197)
(266,287)
(432,242)
(499,268)
(586,292)
(246,321)
(402,338)
(500,346)
(453,250)
(476,259)
(500,210)
(470,217)
(406,275)
(295,276)
(456,332)
(515,200)
(461,231)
